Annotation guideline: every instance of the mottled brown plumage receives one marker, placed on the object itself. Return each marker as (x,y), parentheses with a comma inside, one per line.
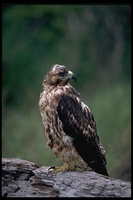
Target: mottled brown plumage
(69,124)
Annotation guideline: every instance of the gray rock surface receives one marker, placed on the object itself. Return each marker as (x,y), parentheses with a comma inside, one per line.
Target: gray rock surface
(22,178)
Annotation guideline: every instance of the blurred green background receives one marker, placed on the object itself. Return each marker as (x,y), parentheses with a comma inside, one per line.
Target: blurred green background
(94,41)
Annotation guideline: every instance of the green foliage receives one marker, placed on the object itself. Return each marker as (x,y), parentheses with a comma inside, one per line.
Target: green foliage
(94,42)
(112,110)
(91,40)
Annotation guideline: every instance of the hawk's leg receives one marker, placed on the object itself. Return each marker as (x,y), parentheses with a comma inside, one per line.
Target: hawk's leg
(65,167)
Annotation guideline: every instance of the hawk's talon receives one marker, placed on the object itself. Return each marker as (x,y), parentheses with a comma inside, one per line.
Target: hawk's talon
(53,167)
(50,169)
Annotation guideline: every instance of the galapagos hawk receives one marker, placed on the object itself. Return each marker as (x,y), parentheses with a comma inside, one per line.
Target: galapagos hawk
(69,124)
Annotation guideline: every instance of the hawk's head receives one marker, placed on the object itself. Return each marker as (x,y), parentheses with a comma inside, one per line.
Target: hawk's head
(58,75)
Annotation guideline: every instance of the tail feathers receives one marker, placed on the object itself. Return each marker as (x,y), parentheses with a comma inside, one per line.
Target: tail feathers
(99,168)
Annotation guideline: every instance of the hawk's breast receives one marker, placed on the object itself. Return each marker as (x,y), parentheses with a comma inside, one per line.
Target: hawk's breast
(60,143)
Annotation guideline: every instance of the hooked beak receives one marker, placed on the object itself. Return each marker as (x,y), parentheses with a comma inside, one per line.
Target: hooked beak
(72,75)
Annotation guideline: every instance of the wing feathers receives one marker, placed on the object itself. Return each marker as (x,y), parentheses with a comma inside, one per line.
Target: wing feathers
(78,123)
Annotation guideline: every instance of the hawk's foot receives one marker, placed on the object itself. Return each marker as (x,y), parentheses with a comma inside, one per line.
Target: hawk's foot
(65,167)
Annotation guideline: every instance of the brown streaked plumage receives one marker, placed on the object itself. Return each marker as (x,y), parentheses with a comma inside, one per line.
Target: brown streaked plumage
(69,124)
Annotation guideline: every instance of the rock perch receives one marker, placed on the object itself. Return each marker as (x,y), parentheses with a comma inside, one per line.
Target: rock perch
(21,178)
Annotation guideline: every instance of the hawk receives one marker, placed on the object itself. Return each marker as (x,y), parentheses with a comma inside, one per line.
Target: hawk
(69,124)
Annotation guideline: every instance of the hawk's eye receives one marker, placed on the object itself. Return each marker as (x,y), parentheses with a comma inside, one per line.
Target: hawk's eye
(62,73)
